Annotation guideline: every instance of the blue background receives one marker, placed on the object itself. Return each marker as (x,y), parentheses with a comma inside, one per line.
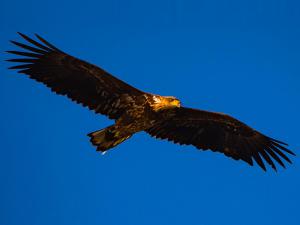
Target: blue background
(237,57)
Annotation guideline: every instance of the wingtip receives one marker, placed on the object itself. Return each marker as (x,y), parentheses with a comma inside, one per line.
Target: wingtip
(10,52)
(39,36)
(15,42)
(12,41)
(262,166)
(264,169)
(280,142)
(274,168)
(47,43)
(23,35)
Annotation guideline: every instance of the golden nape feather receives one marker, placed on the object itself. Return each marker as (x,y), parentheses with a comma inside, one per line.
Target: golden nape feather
(134,110)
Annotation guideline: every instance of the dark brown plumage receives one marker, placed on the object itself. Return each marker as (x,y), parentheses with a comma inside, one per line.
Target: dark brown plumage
(134,110)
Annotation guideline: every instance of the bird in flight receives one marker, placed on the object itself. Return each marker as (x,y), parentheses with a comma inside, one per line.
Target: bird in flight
(133,110)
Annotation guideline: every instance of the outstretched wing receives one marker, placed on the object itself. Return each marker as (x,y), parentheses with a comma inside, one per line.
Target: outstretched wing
(221,133)
(82,82)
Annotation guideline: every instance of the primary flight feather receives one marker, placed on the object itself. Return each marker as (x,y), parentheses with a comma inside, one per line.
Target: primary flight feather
(134,110)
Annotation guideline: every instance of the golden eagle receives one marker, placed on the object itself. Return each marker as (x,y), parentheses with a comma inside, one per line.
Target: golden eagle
(134,110)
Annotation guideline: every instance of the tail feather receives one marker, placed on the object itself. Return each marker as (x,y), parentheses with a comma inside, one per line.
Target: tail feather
(106,138)
(97,137)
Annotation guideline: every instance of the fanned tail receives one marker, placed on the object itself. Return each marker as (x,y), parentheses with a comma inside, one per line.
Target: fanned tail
(106,138)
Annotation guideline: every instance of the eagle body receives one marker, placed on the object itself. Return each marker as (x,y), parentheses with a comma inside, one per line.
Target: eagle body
(133,110)
(145,112)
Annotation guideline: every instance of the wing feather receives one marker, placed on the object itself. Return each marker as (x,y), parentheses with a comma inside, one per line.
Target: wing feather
(221,133)
(82,82)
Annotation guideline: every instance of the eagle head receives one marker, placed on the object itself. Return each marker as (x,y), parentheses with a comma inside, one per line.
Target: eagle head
(173,102)
(165,102)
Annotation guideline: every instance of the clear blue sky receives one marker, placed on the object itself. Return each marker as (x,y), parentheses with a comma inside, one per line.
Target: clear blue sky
(237,57)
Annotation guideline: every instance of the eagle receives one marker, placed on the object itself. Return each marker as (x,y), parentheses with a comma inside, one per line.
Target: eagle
(133,110)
